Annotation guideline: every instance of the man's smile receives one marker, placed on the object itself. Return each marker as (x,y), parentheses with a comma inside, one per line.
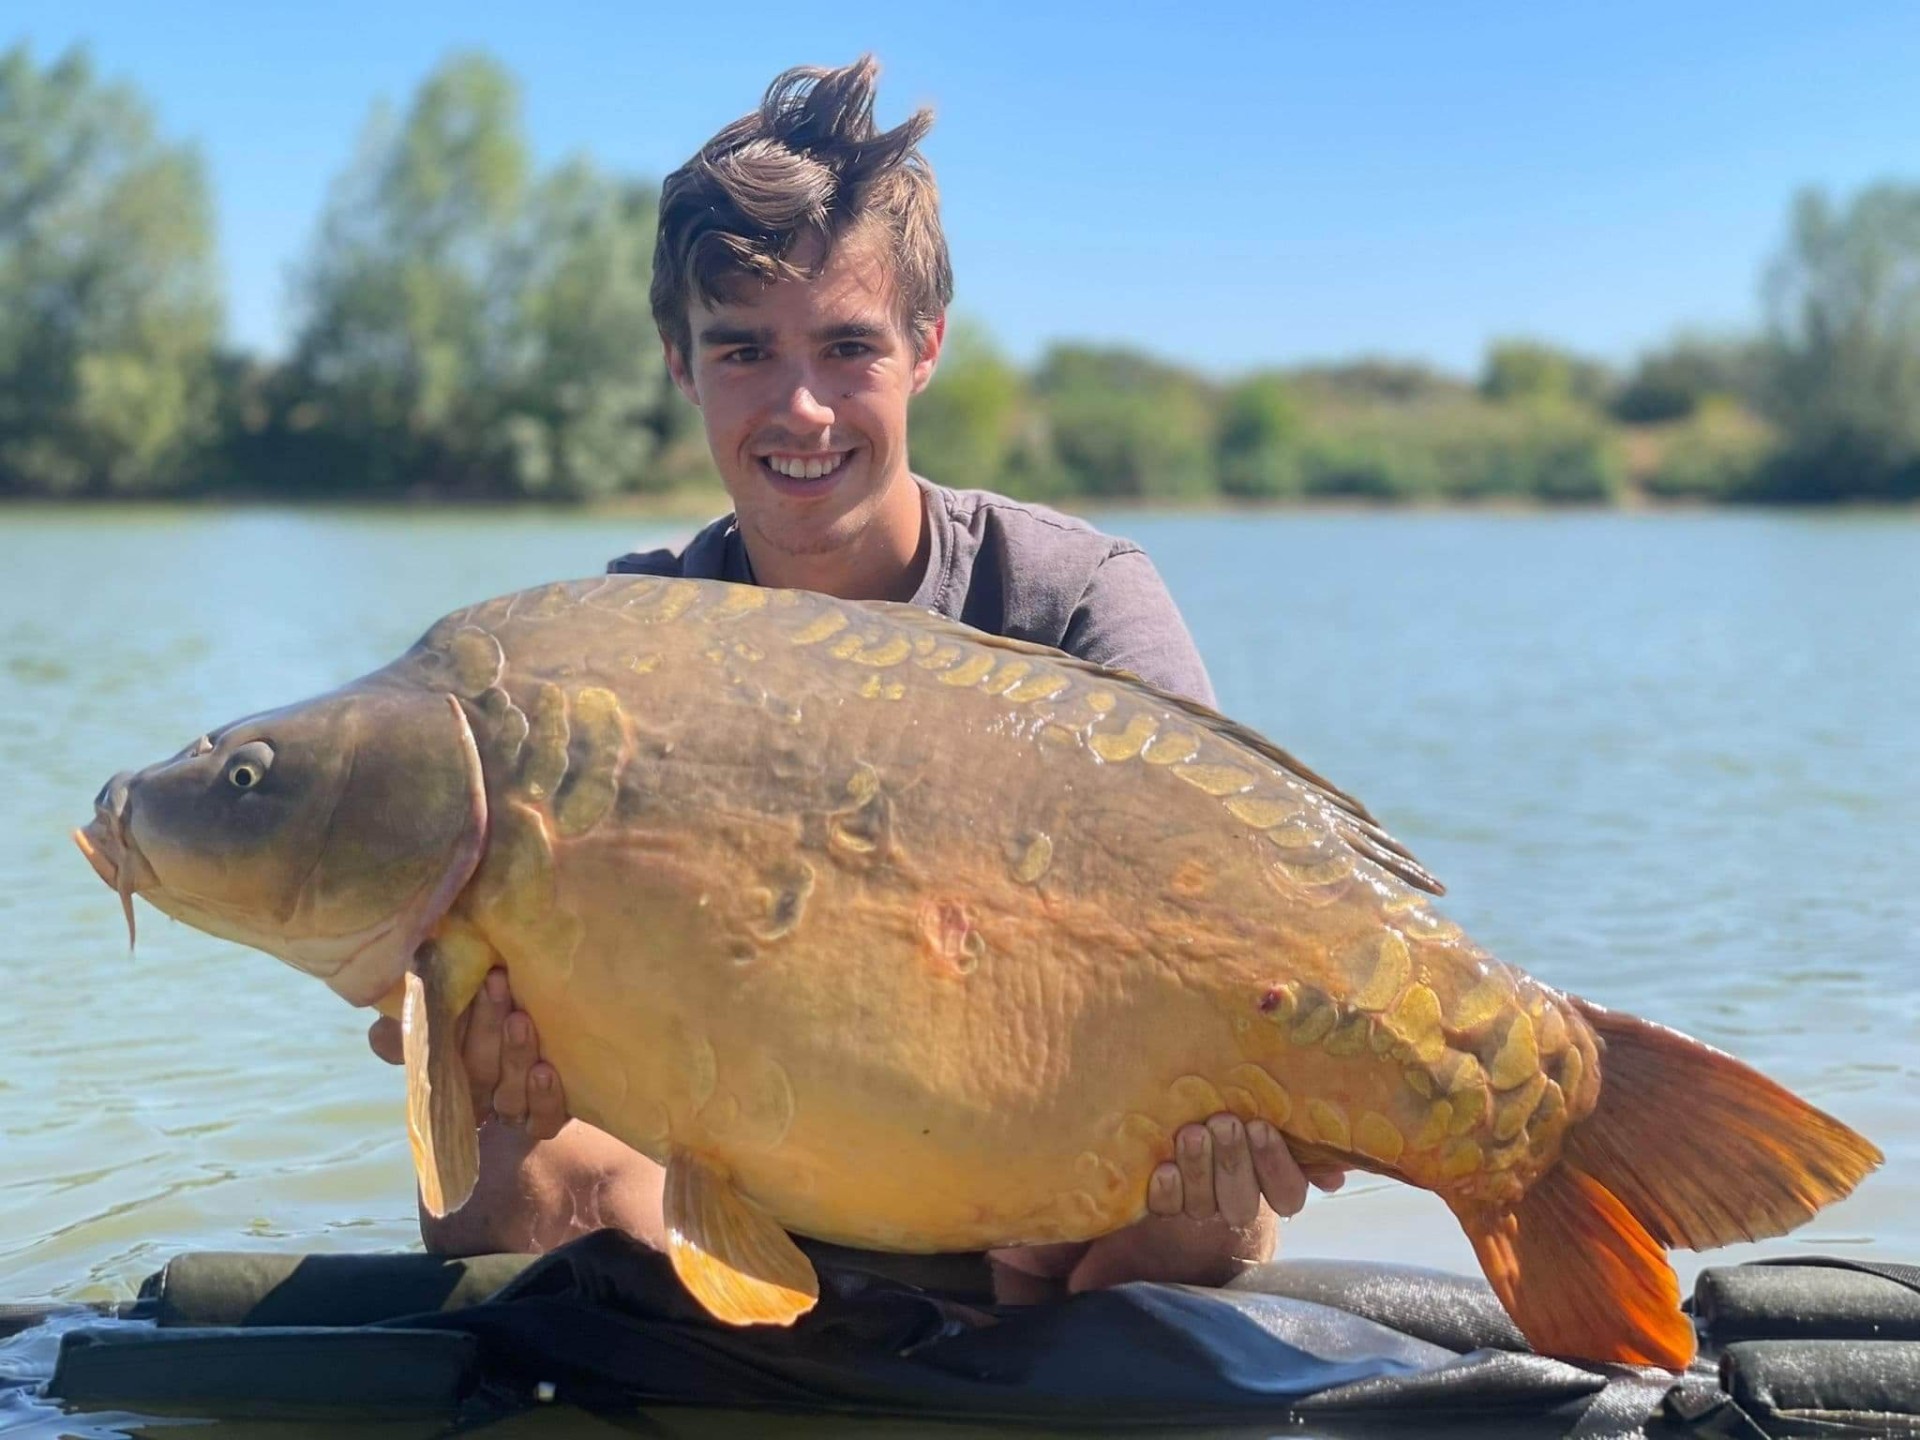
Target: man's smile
(788,469)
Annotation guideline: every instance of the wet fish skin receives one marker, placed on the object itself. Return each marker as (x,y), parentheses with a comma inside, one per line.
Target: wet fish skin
(876,929)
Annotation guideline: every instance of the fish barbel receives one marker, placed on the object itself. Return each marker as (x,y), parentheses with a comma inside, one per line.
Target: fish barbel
(874,928)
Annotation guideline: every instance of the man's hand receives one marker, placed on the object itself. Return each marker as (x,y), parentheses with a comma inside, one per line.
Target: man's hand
(511,1083)
(1206,1218)
(1225,1169)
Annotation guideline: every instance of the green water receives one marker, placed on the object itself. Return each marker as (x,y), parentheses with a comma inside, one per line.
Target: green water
(1672,763)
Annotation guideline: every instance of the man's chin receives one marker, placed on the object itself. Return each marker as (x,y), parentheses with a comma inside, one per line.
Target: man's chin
(807,541)
(810,525)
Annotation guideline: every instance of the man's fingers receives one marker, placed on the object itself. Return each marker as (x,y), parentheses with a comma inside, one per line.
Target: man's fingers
(546,1102)
(1193,1153)
(1165,1196)
(1048,1262)
(383,1036)
(1325,1177)
(518,1052)
(1236,1188)
(486,1018)
(1280,1177)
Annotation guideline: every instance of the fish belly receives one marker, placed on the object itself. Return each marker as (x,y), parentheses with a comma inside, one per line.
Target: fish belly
(877,1080)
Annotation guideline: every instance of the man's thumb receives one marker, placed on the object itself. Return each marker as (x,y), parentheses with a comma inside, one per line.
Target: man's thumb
(383,1038)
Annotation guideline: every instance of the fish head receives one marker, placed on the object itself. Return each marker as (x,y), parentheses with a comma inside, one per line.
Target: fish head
(333,834)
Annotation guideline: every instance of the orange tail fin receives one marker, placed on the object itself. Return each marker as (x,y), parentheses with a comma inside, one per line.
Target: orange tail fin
(1703,1149)
(1686,1147)
(1580,1276)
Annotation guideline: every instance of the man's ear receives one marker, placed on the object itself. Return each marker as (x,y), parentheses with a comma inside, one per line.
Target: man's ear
(678,368)
(929,353)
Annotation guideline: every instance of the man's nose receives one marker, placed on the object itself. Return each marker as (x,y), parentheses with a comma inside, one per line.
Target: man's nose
(807,403)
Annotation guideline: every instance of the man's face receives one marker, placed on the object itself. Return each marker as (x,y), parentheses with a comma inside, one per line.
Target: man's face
(803,385)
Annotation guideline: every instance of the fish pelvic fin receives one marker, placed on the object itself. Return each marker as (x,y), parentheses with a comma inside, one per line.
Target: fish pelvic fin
(1702,1149)
(1579,1275)
(730,1254)
(440,1120)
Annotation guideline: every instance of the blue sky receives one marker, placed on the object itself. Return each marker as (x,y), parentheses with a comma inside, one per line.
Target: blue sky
(1249,184)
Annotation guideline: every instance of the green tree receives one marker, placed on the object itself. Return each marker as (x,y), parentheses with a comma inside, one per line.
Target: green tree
(1258,450)
(1674,381)
(109,311)
(1375,381)
(1123,424)
(399,357)
(1844,348)
(586,402)
(969,423)
(1530,370)
(471,327)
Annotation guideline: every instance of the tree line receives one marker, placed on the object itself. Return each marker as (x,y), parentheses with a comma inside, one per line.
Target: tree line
(470,327)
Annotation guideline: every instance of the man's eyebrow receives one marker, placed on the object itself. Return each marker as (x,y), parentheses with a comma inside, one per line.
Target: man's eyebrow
(733,335)
(850,330)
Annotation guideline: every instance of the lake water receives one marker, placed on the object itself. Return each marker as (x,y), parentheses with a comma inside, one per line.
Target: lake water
(1669,762)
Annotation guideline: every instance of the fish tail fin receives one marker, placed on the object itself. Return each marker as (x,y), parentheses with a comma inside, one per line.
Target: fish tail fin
(1579,1275)
(1686,1147)
(1701,1149)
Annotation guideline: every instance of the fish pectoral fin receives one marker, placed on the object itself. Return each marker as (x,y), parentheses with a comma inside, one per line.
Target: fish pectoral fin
(440,1123)
(730,1254)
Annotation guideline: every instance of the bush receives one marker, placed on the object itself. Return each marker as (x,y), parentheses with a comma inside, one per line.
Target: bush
(967,423)
(1257,453)
(1465,451)
(1718,454)
(1366,462)
(1674,382)
(1123,425)
(1531,371)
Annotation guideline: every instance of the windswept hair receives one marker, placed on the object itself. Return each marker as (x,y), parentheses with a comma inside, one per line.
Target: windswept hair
(809,162)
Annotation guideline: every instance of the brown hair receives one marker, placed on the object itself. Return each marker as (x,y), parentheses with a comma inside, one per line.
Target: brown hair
(809,162)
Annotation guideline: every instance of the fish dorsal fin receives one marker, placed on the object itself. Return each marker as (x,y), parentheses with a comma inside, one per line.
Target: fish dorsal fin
(730,1254)
(440,1123)
(1350,819)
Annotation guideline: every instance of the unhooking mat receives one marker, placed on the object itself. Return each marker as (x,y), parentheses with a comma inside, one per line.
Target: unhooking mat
(1817,1347)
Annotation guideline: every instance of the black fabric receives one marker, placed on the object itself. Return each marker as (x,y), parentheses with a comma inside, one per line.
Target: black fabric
(1480,1381)
(1349,1347)
(1811,1297)
(268,1371)
(1837,1378)
(1623,1408)
(1457,1311)
(960,1275)
(607,1324)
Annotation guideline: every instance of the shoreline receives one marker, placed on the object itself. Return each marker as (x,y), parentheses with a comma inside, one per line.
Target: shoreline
(705,504)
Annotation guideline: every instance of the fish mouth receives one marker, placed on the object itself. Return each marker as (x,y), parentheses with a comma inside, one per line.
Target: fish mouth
(109,848)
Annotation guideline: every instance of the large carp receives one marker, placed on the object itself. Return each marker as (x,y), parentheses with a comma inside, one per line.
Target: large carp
(875,928)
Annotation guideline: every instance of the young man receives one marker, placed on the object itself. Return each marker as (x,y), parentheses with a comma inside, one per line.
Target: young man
(801,283)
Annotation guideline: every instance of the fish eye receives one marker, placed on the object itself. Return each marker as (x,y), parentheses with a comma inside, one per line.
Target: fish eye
(249,764)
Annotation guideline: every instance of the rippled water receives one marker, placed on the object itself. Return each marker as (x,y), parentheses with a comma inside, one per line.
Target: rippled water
(1672,763)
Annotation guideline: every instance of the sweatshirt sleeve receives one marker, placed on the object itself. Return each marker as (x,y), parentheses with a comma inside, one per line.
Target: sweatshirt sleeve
(1127,620)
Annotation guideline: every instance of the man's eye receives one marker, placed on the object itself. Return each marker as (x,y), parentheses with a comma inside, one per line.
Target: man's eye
(745,355)
(850,349)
